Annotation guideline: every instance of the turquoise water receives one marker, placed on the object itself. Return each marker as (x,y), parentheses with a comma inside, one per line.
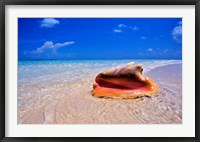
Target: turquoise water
(32,69)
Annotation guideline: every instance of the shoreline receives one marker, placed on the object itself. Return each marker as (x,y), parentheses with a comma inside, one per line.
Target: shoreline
(74,104)
(171,70)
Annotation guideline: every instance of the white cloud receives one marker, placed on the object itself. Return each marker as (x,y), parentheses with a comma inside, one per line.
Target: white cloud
(143,37)
(177,32)
(49,23)
(117,30)
(135,28)
(121,25)
(150,50)
(49,46)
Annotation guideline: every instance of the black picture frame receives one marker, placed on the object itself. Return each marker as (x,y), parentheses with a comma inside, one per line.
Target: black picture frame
(3,4)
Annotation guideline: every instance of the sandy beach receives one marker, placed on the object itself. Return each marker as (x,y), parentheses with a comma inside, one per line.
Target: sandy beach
(59,59)
(62,102)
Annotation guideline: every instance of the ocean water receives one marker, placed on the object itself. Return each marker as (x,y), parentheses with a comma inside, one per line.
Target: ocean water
(35,70)
(59,91)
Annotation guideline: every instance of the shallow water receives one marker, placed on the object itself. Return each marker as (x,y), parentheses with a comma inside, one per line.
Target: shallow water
(54,91)
(39,71)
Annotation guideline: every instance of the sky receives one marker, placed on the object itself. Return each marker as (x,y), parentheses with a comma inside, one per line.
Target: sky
(99,38)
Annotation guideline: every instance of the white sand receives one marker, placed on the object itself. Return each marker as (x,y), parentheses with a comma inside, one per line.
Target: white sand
(72,102)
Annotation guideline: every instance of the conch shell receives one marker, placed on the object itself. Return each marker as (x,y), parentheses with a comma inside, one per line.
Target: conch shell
(123,82)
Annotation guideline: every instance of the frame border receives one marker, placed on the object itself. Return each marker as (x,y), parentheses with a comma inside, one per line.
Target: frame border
(3,4)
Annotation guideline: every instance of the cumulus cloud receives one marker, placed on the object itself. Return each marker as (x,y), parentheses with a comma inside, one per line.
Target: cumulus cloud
(117,30)
(143,37)
(122,27)
(180,22)
(177,32)
(49,46)
(49,23)
(150,49)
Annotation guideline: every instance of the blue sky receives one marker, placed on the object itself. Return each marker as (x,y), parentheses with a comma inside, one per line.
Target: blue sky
(99,38)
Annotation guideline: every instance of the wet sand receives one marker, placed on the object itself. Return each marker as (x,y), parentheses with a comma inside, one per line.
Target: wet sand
(72,102)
